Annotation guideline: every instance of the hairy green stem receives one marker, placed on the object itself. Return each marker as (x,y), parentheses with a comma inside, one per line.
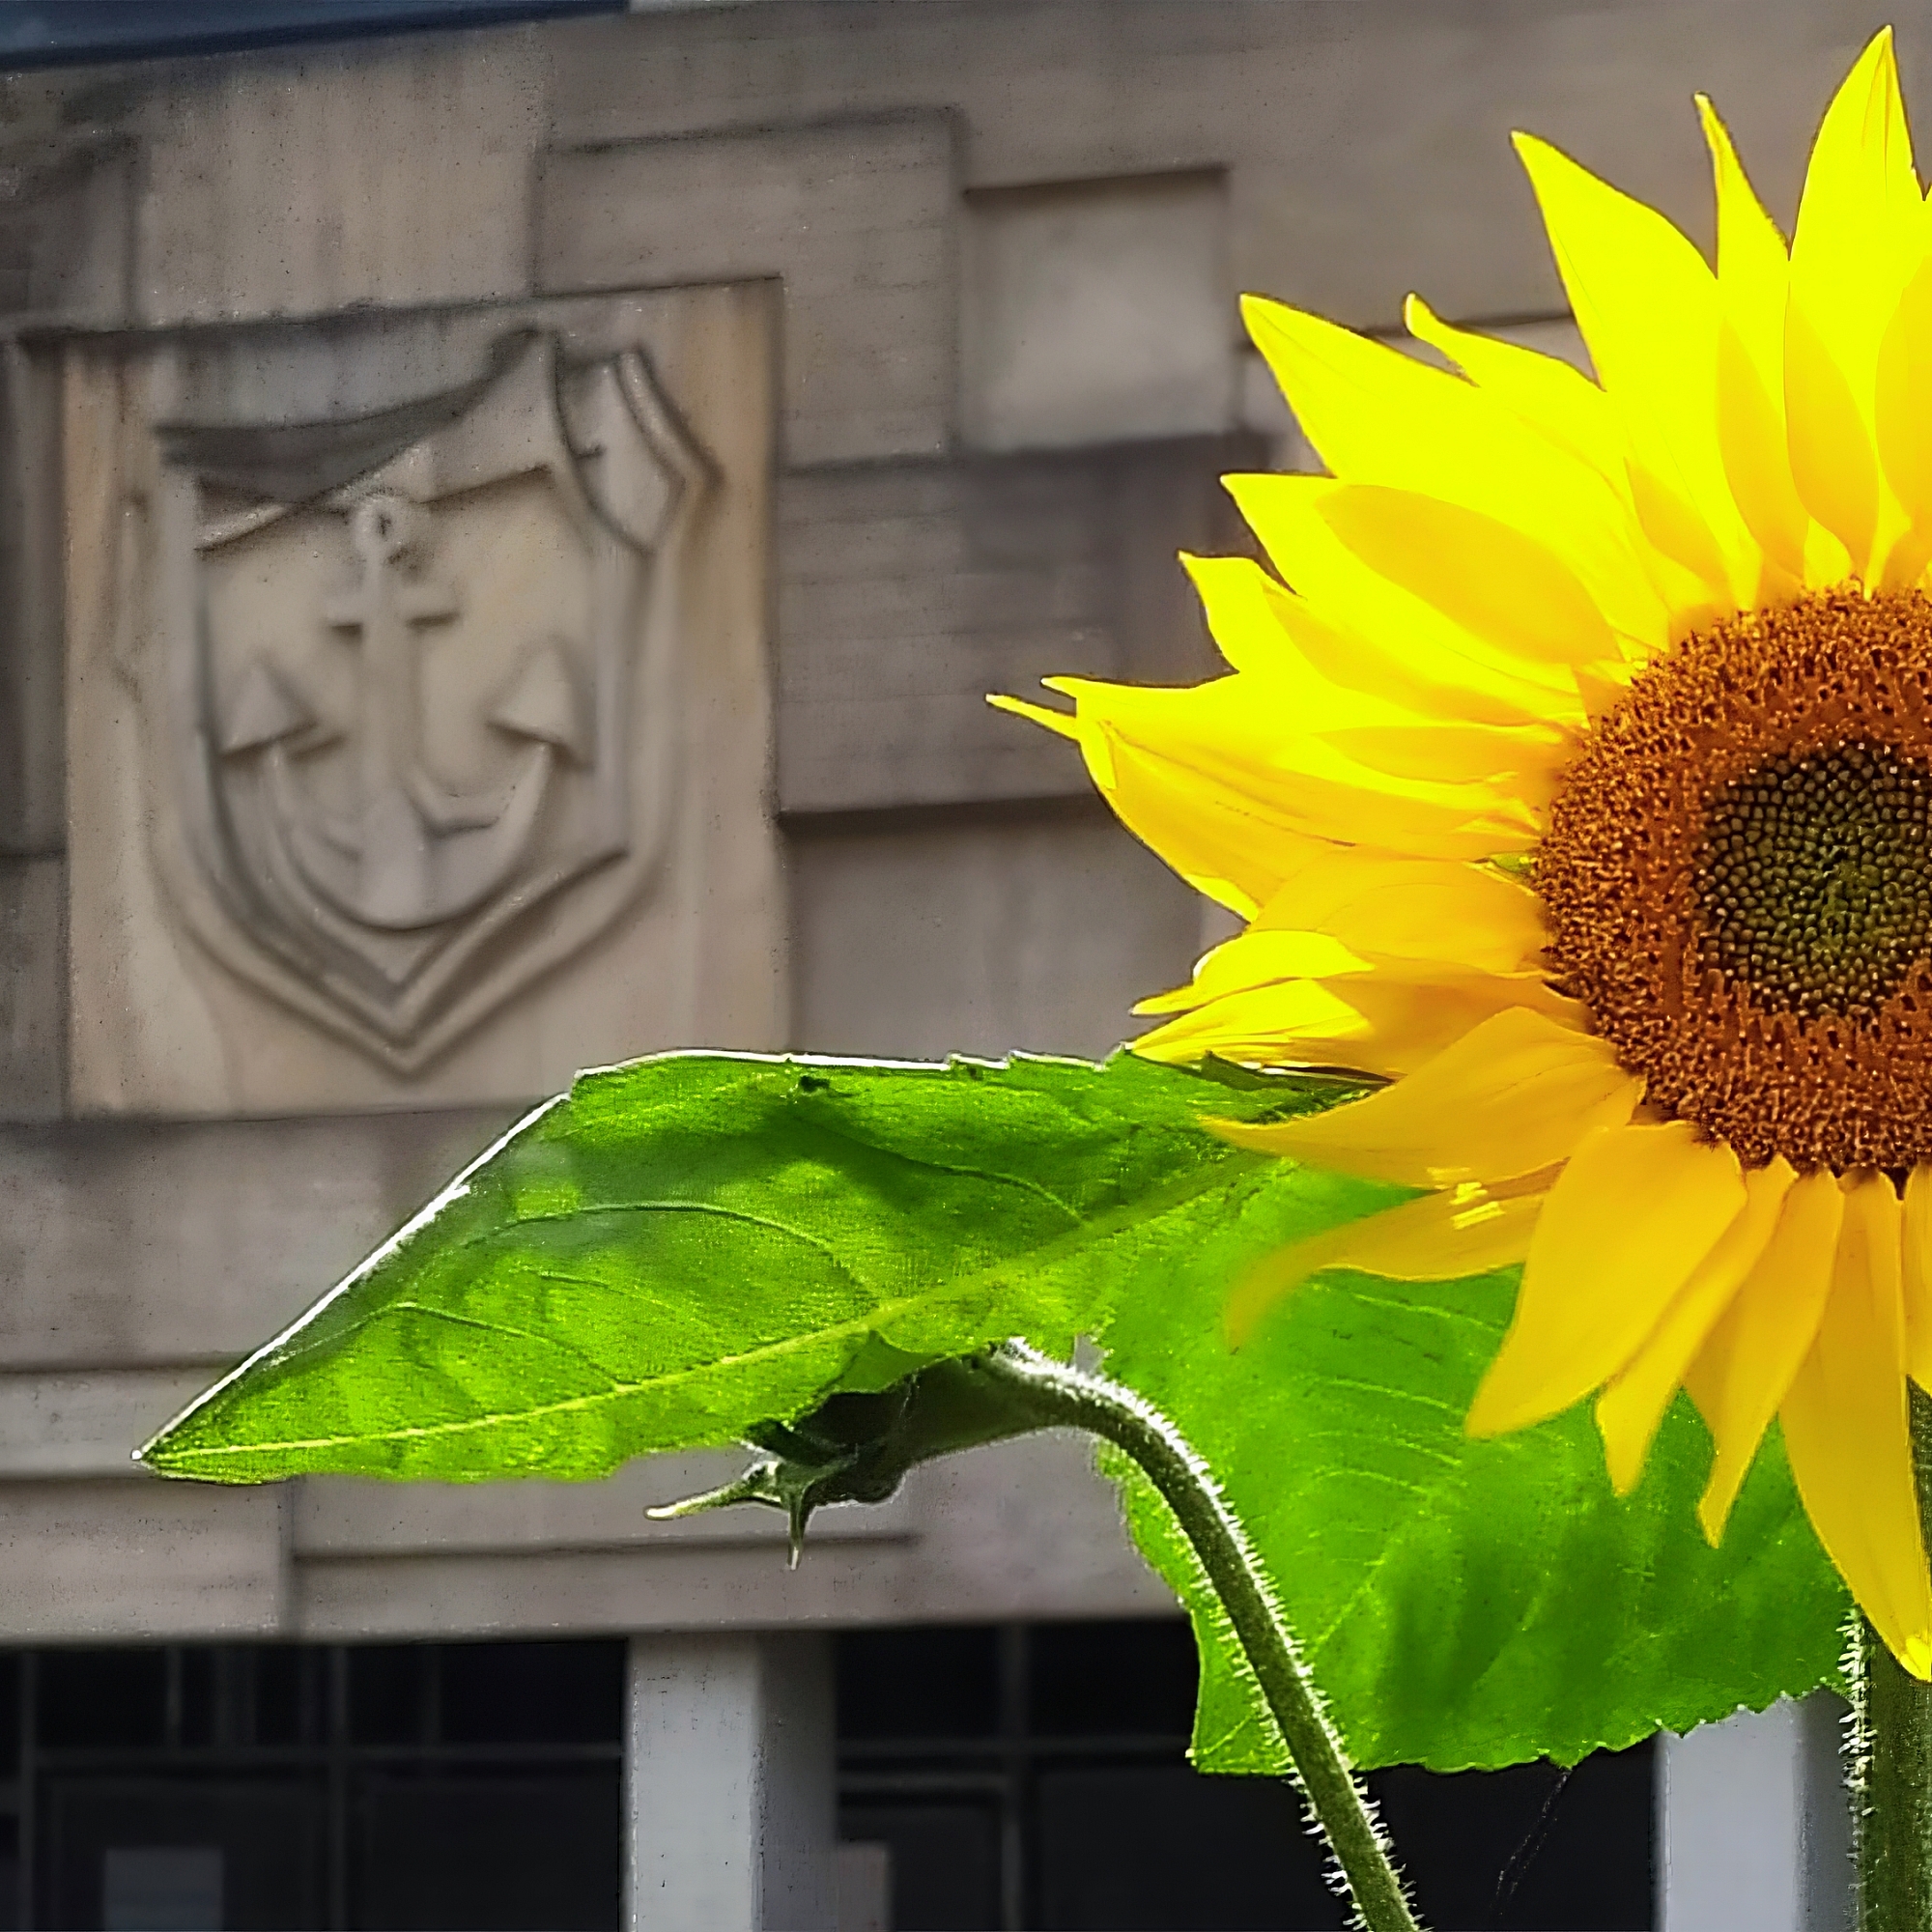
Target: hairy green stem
(1891,1766)
(1060,1397)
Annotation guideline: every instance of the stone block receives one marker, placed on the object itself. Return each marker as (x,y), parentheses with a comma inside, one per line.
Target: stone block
(982,933)
(908,591)
(865,1886)
(1098,312)
(731,1773)
(67,212)
(32,815)
(339,174)
(1754,1822)
(854,217)
(462,784)
(1031,1522)
(415,1595)
(33,988)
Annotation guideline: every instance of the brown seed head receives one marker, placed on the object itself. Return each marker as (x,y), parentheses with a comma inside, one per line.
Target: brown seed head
(1737,879)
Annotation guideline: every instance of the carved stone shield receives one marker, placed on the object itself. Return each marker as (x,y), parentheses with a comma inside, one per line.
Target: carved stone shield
(417,706)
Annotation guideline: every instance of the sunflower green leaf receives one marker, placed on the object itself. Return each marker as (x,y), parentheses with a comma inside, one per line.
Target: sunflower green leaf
(687,1250)
(1460,1604)
(685,1247)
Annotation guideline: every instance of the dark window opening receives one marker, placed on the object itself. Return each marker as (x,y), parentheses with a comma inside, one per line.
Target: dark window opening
(1020,1775)
(261,1786)
(1069,1803)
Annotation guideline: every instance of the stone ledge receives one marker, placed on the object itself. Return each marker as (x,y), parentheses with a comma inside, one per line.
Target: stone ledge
(1022,1529)
(89,1425)
(140,1562)
(338,1518)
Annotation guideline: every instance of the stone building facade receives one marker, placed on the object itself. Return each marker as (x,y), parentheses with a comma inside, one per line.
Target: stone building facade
(503,539)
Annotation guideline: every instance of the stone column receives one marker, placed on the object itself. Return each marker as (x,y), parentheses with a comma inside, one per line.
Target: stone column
(1753,1825)
(729,1785)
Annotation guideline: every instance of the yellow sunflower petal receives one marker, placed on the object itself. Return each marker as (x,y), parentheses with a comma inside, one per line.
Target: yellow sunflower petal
(1261,956)
(1217,782)
(1382,919)
(1831,452)
(1632,1407)
(1256,622)
(1848,1434)
(1632,1213)
(1680,534)
(1461,1231)
(1754,279)
(1377,1014)
(1282,1023)
(1750,423)
(1918,1274)
(1245,612)
(1253,623)
(1741,1374)
(1333,797)
(1563,404)
(1239,602)
(1512,1094)
(1523,761)
(1227,739)
(1492,579)
(1904,416)
(1285,512)
(1221,842)
(1411,908)
(1386,994)
(1379,416)
(1390,1020)
(1544,390)
(1858,241)
(1647,307)
(1754,263)
(1259,631)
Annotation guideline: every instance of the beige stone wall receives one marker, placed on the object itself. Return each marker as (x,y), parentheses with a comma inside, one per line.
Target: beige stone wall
(948,290)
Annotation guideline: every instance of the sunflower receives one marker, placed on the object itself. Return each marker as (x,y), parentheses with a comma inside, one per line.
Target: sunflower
(1573,776)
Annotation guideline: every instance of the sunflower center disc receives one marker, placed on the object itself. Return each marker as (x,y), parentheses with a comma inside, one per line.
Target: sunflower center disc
(1736,881)
(1814,883)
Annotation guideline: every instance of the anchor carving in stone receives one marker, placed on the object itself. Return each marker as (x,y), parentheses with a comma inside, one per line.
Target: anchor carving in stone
(414,682)
(411,852)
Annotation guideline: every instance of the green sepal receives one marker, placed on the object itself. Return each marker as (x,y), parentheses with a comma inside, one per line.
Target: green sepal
(858,1448)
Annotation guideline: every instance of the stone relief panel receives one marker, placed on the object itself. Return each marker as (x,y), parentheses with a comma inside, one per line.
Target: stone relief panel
(395,713)
(447,717)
